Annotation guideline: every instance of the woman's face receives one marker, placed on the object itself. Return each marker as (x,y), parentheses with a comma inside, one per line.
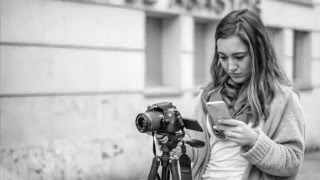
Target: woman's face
(234,58)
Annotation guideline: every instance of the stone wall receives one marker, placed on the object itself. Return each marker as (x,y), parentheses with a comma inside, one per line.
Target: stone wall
(93,159)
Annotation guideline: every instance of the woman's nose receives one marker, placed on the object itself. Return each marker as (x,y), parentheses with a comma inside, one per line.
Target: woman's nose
(232,66)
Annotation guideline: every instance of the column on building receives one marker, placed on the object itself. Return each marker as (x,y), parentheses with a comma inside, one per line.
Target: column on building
(315,59)
(302,60)
(204,44)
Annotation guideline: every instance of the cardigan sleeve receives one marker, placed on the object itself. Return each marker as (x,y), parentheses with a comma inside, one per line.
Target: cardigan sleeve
(197,115)
(190,134)
(281,154)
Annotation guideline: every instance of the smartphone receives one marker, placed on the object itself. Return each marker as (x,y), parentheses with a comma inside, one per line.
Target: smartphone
(218,110)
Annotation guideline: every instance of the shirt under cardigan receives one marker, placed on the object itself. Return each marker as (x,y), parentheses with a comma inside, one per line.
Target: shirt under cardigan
(225,160)
(279,149)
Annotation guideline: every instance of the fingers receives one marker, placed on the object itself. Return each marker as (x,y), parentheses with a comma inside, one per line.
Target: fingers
(237,132)
(230,122)
(225,128)
(231,134)
(235,140)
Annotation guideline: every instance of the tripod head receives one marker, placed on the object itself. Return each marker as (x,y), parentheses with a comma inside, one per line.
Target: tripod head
(173,141)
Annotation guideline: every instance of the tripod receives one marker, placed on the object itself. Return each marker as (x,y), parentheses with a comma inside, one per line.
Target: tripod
(168,163)
(171,163)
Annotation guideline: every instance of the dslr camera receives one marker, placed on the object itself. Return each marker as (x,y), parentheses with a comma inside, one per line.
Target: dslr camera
(164,118)
(161,117)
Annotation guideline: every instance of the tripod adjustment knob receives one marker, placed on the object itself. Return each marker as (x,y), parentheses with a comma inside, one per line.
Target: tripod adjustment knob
(183,148)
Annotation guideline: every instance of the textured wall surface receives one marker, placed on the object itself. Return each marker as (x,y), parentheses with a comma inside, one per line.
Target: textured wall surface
(94,159)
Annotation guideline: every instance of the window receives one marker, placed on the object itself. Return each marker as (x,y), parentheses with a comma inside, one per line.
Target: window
(162,55)
(204,44)
(302,60)
(154,52)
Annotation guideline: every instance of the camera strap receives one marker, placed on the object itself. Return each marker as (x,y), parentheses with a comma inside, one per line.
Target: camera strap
(185,164)
(155,151)
(154,145)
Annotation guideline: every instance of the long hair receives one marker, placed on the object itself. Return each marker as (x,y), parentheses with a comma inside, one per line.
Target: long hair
(265,71)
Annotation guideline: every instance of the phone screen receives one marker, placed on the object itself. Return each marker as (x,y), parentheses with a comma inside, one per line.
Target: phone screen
(218,110)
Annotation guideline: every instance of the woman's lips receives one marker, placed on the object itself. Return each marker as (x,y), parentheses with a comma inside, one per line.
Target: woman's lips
(235,75)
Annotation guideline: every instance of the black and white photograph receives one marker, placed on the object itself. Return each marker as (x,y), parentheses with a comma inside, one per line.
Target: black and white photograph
(159,89)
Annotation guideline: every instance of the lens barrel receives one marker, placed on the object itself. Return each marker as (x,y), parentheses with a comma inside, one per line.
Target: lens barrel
(149,121)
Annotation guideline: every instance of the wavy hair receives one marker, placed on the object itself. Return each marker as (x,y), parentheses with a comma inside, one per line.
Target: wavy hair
(265,71)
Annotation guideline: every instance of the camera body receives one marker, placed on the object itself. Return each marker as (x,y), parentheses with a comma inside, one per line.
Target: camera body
(160,117)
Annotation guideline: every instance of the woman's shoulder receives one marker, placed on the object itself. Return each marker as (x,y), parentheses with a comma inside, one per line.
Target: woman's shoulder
(285,101)
(283,89)
(286,93)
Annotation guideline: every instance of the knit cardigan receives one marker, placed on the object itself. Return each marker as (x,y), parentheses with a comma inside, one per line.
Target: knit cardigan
(279,149)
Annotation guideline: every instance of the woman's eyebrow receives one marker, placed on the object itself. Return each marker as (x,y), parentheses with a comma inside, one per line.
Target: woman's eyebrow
(240,53)
(221,53)
(234,54)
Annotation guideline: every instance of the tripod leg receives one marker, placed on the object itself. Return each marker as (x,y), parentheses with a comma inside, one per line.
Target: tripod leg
(154,168)
(165,173)
(174,169)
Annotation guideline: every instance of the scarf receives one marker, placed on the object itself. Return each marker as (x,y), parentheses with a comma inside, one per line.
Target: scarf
(235,96)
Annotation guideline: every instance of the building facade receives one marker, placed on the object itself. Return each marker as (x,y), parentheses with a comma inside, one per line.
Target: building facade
(75,73)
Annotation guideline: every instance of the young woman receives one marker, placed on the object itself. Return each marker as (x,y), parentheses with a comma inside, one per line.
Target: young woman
(265,137)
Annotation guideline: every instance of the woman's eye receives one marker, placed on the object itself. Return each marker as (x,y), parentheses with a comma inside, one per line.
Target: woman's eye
(239,57)
(222,57)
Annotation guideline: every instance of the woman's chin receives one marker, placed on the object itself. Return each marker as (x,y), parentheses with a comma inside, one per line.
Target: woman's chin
(238,80)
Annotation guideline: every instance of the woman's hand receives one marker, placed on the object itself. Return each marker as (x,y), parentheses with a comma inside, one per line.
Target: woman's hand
(237,132)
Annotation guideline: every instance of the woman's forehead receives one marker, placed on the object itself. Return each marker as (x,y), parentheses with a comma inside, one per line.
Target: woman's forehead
(232,44)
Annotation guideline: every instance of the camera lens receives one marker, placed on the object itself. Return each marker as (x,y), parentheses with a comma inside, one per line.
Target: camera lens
(149,121)
(142,122)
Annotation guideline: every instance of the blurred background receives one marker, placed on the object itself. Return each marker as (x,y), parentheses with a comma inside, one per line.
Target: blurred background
(75,73)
